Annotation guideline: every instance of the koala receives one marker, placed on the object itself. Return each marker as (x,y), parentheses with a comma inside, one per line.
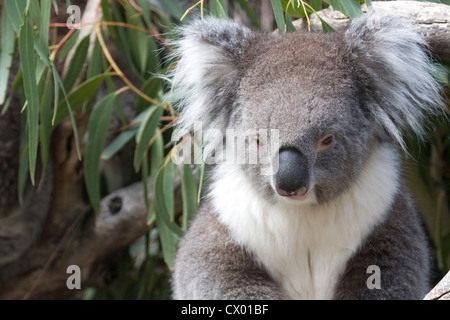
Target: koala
(334,206)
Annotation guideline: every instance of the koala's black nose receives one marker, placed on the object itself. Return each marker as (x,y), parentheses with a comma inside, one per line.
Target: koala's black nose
(292,177)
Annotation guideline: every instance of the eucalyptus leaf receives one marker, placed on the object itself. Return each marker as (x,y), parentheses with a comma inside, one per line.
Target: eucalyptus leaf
(218,9)
(145,133)
(76,64)
(189,194)
(279,15)
(7,46)
(352,8)
(14,10)
(28,66)
(97,130)
(84,93)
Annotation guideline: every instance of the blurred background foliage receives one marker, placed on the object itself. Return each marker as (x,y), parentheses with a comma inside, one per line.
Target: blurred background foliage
(124,54)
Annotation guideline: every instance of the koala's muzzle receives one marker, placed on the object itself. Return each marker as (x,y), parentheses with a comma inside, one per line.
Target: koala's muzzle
(292,177)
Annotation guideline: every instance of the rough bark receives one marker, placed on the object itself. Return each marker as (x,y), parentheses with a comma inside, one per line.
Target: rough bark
(441,291)
(431,19)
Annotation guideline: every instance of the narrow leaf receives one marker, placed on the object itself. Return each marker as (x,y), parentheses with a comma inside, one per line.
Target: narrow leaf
(119,142)
(168,231)
(7,44)
(249,12)
(45,116)
(352,7)
(27,63)
(145,133)
(189,195)
(76,64)
(151,88)
(173,7)
(279,15)
(95,64)
(316,5)
(289,25)
(45,22)
(68,46)
(145,6)
(97,130)
(107,16)
(325,26)
(156,160)
(84,93)
(14,10)
(59,83)
(218,9)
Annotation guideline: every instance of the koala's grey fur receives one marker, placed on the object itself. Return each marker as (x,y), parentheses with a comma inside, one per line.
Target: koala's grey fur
(365,86)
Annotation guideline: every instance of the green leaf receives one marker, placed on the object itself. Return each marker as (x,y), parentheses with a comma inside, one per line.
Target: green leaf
(95,64)
(189,195)
(123,138)
(107,16)
(218,9)
(7,44)
(44,23)
(249,12)
(167,229)
(156,154)
(35,14)
(84,93)
(201,181)
(62,55)
(279,15)
(352,7)
(58,83)
(45,116)
(173,7)
(55,5)
(145,133)
(316,5)
(119,142)
(28,66)
(156,160)
(76,64)
(14,11)
(151,88)
(293,8)
(164,198)
(325,26)
(145,6)
(97,130)
(289,25)
(168,188)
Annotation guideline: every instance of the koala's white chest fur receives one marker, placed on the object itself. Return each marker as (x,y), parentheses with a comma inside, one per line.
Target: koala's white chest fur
(305,248)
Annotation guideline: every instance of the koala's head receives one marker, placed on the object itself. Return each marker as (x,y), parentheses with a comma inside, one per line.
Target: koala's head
(331,98)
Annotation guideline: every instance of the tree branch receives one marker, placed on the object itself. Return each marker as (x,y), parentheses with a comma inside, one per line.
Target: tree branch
(431,19)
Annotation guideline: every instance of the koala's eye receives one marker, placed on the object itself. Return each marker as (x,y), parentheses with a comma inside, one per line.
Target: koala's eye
(325,142)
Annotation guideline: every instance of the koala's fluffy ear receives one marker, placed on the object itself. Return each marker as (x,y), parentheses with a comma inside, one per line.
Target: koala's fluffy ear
(207,74)
(397,73)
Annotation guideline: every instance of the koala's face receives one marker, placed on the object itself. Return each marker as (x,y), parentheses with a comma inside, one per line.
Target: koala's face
(324,133)
(331,98)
